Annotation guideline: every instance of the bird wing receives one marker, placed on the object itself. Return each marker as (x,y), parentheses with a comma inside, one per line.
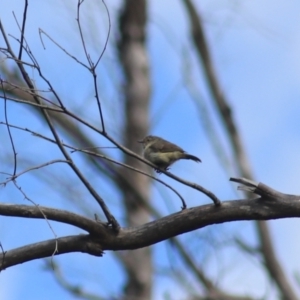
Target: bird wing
(165,146)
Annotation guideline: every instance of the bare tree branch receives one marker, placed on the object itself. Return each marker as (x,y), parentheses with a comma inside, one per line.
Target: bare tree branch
(80,243)
(270,205)
(47,117)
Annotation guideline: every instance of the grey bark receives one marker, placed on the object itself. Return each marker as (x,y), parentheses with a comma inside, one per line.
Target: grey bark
(134,60)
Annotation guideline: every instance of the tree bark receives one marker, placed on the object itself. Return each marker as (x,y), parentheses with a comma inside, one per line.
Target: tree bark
(133,57)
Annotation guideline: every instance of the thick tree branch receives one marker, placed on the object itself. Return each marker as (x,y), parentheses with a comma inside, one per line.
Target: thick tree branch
(63,216)
(271,205)
(80,243)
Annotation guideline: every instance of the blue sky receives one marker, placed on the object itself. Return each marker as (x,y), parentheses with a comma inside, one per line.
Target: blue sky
(255,46)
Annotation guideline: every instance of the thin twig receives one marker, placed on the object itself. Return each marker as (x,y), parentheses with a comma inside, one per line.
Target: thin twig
(109,216)
(81,34)
(15,176)
(108,34)
(23,29)
(41,211)
(74,149)
(41,31)
(133,154)
(8,128)
(3,254)
(34,104)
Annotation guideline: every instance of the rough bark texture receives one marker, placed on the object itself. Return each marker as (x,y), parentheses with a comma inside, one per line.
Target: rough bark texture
(133,57)
(270,204)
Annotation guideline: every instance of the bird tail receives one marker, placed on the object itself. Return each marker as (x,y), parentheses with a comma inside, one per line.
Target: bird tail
(192,157)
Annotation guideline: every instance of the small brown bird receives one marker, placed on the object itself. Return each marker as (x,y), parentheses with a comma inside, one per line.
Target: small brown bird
(163,153)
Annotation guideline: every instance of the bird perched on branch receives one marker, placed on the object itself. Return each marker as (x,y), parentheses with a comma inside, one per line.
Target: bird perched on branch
(163,153)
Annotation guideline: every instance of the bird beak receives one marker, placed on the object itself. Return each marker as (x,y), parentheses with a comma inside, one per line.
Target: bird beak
(141,141)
